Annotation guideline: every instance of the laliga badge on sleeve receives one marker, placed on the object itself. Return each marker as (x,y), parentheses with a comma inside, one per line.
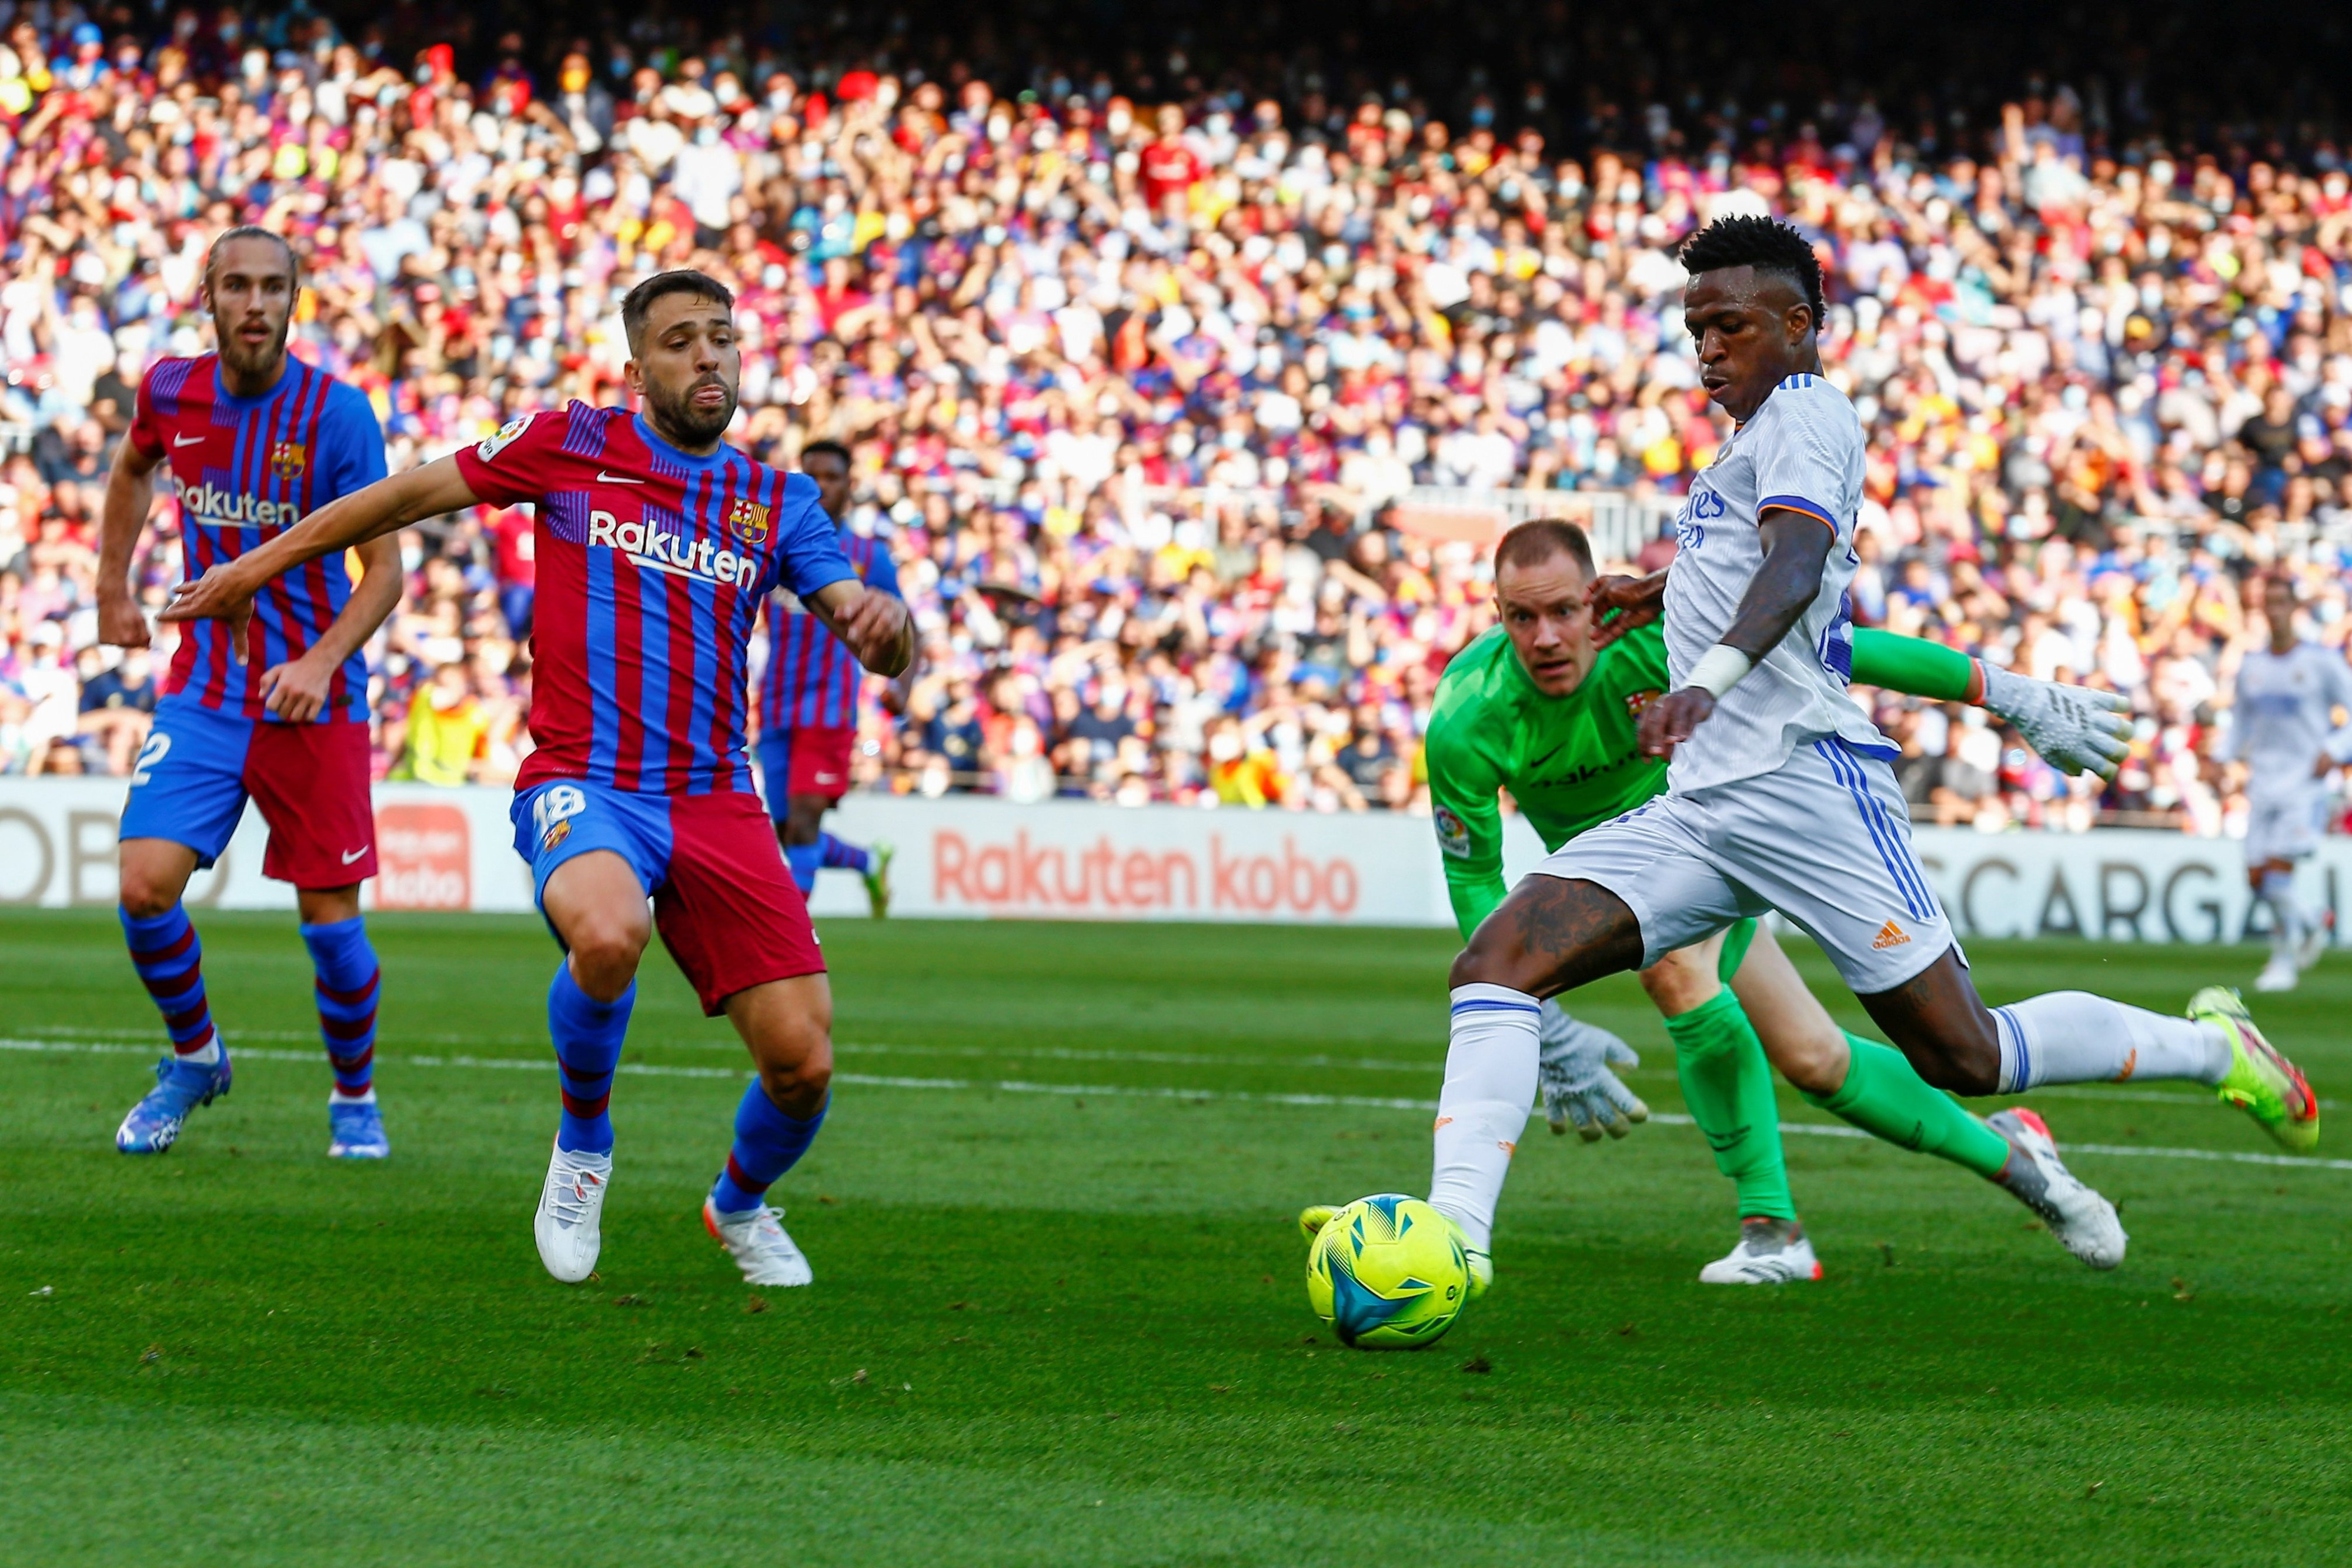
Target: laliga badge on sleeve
(508,433)
(1452,833)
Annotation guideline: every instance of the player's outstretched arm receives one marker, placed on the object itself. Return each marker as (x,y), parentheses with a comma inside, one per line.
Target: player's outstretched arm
(297,691)
(1796,547)
(874,624)
(2077,729)
(129,496)
(226,592)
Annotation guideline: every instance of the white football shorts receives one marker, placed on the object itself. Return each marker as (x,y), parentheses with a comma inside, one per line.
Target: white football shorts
(1825,839)
(2284,820)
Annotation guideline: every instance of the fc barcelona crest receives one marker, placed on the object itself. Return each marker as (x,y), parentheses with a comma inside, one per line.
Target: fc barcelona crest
(288,459)
(748,522)
(1636,701)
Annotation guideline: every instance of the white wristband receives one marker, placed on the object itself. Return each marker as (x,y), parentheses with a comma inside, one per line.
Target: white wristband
(1719,669)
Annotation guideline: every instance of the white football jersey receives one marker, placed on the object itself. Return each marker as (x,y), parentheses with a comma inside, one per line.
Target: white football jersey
(2283,714)
(1802,451)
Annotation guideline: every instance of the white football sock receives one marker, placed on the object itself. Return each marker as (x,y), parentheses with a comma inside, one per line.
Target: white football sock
(1490,1085)
(205,1055)
(2286,916)
(2073,1037)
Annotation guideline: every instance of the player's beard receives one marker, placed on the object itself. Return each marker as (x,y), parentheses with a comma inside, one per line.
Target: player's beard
(679,418)
(255,365)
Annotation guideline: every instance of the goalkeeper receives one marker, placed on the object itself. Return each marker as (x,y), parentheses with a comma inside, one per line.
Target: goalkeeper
(1534,708)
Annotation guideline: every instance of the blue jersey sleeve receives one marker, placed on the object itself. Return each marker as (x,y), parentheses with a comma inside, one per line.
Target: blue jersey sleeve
(351,444)
(808,553)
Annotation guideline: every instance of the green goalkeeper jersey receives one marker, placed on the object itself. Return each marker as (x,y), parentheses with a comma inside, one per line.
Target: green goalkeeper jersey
(1571,762)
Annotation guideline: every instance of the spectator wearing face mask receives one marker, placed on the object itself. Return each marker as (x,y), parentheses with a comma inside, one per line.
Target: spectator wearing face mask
(447,731)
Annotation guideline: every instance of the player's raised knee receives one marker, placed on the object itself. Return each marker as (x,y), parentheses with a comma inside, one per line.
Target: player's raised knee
(150,885)
(144,896)
(604,951)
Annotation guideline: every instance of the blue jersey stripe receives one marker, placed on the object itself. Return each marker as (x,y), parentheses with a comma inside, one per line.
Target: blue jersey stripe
(603,679)
(655,594)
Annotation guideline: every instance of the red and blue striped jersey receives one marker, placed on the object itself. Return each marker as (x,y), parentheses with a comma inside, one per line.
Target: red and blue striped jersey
(813,679)
(652,563)
(246,469)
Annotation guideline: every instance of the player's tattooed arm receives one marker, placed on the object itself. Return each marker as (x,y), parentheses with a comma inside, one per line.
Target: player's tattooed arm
(1620,604)
(129,496)
(226,592)
(875,625)
(1796,547)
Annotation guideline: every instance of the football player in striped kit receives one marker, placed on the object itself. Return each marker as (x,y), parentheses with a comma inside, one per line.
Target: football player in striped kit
(809,699)
(275,712)
(657,543)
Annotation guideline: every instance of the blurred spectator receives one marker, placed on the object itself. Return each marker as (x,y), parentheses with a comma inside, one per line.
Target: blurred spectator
(448,732)
(117,705)
(1140,396)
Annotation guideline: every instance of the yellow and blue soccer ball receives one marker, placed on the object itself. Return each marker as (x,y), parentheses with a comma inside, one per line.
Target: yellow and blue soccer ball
(1387,1273)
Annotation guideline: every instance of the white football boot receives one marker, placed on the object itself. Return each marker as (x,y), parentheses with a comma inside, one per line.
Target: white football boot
(2083,1222)
(756,1240)
(1770,1252)
(571,1211)
(2279,975)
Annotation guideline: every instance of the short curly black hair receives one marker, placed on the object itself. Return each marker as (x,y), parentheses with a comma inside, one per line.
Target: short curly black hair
(1768,244)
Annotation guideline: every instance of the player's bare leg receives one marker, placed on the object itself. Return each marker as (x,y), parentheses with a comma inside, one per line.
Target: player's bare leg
(1957,1043)
(169,958)
(787,1026)
(1874,1087)
(597,907)
(1549,935)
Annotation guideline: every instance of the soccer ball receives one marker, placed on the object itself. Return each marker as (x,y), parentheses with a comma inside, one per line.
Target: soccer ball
(1387,1273)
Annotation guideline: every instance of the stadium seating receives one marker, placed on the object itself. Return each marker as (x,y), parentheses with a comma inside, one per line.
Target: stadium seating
(1181,417)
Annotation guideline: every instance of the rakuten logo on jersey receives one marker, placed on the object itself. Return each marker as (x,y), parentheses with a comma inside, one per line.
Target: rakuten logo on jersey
(210,504)
(663,549)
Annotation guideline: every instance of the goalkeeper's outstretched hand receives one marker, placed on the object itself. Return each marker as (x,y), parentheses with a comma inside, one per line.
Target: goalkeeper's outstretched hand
(1579,1088)
(2077,729)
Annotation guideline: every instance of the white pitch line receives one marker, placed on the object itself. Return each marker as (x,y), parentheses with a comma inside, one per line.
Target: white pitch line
(2094,1092)
(1126,1091)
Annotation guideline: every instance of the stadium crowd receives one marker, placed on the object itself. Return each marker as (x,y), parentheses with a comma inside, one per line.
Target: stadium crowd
(1141,390)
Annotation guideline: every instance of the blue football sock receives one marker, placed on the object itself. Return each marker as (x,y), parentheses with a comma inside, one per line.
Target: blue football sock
(839,854)
(171,965)
(805,860)
(347,984)
(588,1035)
(767,1143)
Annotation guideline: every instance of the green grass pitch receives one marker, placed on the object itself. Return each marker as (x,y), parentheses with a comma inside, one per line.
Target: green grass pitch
(1059,1316)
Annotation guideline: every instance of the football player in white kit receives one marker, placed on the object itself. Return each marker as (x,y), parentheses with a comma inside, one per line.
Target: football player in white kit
(2282,726)
(1779,795)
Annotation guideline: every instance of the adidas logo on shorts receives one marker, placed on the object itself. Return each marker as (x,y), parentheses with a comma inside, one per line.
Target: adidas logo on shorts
(1891,936)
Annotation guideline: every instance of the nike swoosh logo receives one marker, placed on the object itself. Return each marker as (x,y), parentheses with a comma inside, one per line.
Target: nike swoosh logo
(352,855)
(186,440)
(605,478)
(1547,756)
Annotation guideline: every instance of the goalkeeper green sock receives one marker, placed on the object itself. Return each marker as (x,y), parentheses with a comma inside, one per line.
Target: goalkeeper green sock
(1727,1085)
(1884,1097)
